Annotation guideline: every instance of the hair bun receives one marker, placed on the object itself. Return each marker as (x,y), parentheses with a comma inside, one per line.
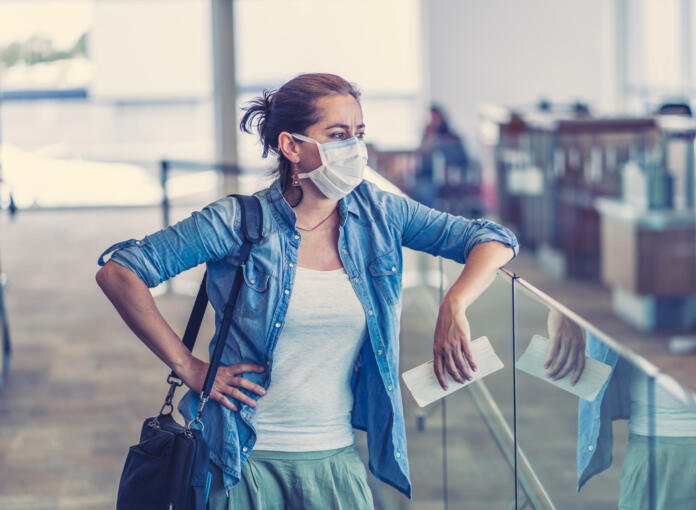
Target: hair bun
(268,96)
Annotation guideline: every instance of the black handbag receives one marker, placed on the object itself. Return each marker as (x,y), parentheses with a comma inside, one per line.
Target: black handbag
(168,468)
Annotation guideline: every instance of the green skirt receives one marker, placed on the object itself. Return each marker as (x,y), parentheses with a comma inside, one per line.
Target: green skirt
(673,474)
(320,480)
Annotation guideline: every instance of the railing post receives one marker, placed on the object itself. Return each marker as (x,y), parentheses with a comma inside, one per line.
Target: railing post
(164,176)
(514,388)
(445,484)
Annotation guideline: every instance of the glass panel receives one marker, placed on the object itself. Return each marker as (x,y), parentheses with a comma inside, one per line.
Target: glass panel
(625,440)
(479,418)
(661,450)
(446,436)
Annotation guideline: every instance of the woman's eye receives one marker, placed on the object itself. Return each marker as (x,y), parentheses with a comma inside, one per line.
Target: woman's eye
(360,136)
(337,136)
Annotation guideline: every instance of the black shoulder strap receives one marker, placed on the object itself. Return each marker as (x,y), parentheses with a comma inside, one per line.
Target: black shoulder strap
(251,223)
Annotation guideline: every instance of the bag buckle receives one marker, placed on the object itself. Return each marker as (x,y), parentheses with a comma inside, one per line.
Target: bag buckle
(174,383)
(199,412)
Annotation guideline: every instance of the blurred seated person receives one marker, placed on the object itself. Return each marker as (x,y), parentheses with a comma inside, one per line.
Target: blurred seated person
(438,138)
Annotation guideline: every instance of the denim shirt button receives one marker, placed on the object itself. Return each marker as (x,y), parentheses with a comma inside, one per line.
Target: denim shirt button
(355,280)
(286,292)
(291,264)
(369,312)
(277,324)
(389,387)
(137,242)
(591,448)
(379,352)
(244,449)
(297,236)
(345,252)
(393,269)
(397,455)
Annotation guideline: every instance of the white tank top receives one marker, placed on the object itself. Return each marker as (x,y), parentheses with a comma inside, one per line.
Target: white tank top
(309,401)
(672,417)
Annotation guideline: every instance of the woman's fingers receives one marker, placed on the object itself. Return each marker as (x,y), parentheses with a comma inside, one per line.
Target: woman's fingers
(466,349)
(560,359)
(245,367)
(464,370)
(553,351)
(571,359)
(240,395)
(227,384)
(579,367)
(452,368)
(242,382)
(439,372)
(222,398)
(454,357)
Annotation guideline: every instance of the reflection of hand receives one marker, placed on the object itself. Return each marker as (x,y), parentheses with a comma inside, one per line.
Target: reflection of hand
(566,348)
(452,344)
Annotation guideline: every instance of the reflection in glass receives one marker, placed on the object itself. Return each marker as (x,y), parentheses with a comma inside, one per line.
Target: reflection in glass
(659,470)
(659,467)
(599,425)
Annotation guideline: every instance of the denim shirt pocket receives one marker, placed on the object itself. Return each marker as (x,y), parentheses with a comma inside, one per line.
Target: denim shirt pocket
(385,273)
(253,291)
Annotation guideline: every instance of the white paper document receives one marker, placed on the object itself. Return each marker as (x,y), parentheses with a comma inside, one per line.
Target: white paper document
(425,388)
(591,381)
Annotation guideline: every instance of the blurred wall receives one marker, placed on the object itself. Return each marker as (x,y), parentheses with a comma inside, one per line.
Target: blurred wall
(513,53)
(151,50)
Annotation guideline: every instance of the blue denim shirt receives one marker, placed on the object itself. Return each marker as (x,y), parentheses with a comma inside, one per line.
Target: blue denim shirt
(373,227)
(613,402)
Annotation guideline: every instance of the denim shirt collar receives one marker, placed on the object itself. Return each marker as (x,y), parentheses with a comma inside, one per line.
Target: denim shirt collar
(286,216)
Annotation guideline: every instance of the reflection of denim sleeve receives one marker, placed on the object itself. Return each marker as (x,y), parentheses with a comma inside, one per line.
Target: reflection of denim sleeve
(441,233)
(206,235)
(595,439)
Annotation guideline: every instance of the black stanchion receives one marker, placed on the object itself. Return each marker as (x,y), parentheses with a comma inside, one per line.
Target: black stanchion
(166,168)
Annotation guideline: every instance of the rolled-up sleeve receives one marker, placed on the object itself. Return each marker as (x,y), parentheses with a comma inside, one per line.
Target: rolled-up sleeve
(440,233)
(206,235)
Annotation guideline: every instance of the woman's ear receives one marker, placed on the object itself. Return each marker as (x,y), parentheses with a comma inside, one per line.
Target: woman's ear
(289,147)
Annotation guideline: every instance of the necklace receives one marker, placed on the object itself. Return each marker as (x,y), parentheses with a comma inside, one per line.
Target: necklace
(318,224)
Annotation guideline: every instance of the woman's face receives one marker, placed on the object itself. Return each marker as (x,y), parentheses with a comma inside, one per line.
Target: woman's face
(340,118)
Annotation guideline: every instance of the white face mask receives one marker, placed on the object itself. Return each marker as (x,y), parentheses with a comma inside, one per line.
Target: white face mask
(342,169)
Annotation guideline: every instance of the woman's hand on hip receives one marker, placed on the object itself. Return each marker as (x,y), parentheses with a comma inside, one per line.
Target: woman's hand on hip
(452,344)
(227,382)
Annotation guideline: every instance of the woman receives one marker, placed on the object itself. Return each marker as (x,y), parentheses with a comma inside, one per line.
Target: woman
(319,310)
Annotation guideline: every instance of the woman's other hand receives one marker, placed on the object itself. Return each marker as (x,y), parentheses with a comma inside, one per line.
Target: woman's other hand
(452,344)
(227,382)
(566,348)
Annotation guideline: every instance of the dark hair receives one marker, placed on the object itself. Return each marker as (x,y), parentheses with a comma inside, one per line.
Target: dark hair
(292,108)
(444,127)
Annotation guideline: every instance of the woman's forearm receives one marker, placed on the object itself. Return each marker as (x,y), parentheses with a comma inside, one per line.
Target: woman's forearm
(134,303)
(478,273)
